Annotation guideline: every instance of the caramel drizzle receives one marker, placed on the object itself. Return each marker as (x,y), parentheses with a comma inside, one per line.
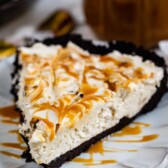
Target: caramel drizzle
(9,115)
(142,124)
(99,148)
(13,145)
(64,54)
(49,124)
(128,130)
(108,59)
(139,73)
(108,72)
(65,109)
(12,116)
(70,72)
(132,129)
(17,146)
(29,81)
(91,161)
(9,112)
(10,122)
(19,138)
(37,93)
(142,139)
(87,89)
(63,60)
(10,154)
(13,131)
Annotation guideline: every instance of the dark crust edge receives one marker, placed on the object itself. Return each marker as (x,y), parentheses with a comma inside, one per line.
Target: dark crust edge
(123,47)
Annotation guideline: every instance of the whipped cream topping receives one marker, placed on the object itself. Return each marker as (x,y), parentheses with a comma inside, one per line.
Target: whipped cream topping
(58,86)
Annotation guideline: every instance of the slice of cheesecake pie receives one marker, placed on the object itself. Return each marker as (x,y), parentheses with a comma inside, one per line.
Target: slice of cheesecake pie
(70,98)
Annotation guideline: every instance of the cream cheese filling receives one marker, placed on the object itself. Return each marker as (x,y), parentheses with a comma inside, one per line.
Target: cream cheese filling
(68,95)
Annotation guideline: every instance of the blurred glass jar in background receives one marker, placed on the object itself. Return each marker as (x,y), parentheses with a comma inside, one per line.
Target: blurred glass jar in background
(143,22)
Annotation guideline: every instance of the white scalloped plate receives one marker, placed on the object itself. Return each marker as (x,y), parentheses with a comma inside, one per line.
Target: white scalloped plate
(150,154)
